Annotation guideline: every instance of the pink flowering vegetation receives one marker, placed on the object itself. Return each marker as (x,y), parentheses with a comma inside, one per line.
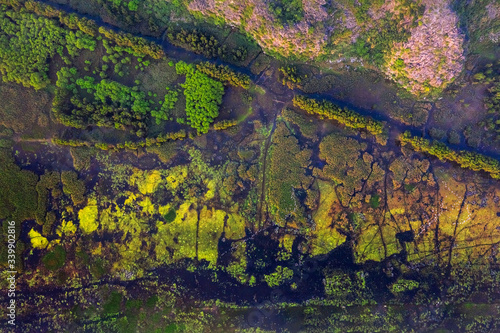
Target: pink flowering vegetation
(433,56)
(304,39)
(415,42)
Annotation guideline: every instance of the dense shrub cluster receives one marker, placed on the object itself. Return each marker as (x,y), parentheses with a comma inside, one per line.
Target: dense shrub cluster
(344,116)
(466,159)
(287,11)
(26,42)
(73,186)
(203,97)
(48,183)
(491,77)
(113,105)
(291,78)
(121,10)
(224,74)
(167,105)
(197,42)
(72,21)
(202,43)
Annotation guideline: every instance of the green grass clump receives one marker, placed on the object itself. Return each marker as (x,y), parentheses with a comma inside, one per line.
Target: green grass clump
(404,285)
(55,259)
(286,175)
(280,276)
(170,216)
(375,201)
(113,305)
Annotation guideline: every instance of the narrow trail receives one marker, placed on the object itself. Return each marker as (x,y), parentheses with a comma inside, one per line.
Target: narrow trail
(18,138)
(264,173)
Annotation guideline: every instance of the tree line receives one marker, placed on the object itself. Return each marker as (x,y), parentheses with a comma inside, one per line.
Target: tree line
(466,159)
(201,43)
(224,74)
(132,145)
(342,115)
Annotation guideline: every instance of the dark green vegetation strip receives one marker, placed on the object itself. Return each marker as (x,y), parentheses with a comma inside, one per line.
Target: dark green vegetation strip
(332,111)
(466,159)
(148,142)
(138,44)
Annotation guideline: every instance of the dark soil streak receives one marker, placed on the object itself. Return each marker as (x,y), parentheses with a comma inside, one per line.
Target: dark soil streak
(450,251)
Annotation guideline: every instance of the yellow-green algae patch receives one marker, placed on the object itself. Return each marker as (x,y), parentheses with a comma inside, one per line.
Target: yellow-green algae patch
(177,240)
(210,229)
(377,238)
(235,226)
(88,217)
(176,176)
(37,240)
(326,235)
(146,181)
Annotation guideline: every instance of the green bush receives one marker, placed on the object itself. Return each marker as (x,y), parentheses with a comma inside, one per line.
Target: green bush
(404,285)
(170,216)
(491,78)
(26,42)
(113,105)
(437,133)
(168,104)
(48,181)
(196,42)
